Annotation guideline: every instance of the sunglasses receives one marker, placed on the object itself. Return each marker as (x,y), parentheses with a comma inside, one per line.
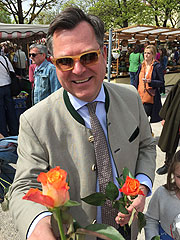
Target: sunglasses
(67,62)
(33,54)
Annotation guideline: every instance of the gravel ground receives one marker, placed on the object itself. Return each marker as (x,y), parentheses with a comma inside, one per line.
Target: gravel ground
(8,231)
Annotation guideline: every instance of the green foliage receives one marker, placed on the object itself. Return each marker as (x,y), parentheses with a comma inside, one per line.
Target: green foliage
(112,191)
(71,203)
(96,199)
(123,13)
(126,173)
(106,230)
(4,16)
(156,238)
(120,206)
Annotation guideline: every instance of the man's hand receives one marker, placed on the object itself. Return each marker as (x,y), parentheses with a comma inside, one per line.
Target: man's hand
(43,230)
(138,204)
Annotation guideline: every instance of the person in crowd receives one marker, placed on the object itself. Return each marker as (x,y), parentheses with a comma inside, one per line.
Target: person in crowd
(58,130)
(20,62)
(135,59)
(148,80)
(169,138)
(163,61)
(11,54)
(164,205)
(175,56)
(46,81)
(158,54)
(32,68)
(8,120)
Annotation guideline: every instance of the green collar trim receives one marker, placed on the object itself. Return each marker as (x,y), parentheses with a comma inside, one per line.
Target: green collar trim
(74,113)
(71,109)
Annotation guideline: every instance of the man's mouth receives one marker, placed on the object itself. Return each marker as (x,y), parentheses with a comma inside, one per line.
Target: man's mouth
(82,81)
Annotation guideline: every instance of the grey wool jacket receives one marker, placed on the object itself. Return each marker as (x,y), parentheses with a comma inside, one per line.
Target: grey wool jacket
(53,134)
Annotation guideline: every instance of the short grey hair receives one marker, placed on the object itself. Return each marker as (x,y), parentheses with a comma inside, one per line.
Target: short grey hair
(40,47)
(69,19)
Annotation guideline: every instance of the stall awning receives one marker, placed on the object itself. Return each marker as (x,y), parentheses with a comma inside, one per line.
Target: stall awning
(145,32)
(22,32)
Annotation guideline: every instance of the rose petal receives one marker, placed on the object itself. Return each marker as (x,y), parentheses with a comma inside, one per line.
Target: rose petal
(36,196)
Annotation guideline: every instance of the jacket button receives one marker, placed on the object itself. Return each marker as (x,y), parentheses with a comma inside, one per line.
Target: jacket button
(93,168)
(94,221)
(91,139)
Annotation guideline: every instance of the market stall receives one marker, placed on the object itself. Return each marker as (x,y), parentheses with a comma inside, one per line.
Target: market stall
(123,40)
(22,33)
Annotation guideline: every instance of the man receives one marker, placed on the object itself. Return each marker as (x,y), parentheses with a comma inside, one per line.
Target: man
(20,62)
(75,41)
(46,81)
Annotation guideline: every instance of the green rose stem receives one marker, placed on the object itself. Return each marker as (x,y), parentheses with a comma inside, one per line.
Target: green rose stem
(58,217)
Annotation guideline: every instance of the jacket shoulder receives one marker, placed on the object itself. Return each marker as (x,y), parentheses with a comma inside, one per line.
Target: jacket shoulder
(121,88)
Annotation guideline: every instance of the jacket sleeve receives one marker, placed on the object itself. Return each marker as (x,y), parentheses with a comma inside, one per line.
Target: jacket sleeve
(152,217)
(136,81)
(54,82)
(157,79)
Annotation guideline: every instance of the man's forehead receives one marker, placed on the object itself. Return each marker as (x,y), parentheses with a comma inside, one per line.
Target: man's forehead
(83,25)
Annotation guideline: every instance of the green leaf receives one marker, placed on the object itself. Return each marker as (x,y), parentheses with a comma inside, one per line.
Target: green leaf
(156,238)
(119,205)
(96,199)
(71,203)
(111,191)
(120,181)
(106,230)
(126,173)
(141,221)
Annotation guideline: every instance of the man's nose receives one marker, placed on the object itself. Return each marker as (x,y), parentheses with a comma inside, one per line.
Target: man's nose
(78,68)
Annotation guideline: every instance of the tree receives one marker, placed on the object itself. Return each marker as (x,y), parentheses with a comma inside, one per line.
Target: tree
(118,13)
(122,13)
(165,12)
(16,8)
(4,17)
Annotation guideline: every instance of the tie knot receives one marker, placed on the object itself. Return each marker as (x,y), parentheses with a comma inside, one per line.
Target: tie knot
(91,107)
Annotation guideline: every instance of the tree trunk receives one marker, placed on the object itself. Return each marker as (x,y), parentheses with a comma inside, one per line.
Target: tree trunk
(20,12)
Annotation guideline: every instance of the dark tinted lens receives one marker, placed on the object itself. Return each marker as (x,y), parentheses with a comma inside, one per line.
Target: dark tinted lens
(89,58)
(32,54)
(65,62)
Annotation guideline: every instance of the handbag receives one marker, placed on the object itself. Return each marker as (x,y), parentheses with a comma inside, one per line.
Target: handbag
(15,82)
(149,93)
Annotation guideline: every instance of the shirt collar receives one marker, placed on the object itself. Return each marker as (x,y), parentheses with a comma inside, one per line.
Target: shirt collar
(77,103)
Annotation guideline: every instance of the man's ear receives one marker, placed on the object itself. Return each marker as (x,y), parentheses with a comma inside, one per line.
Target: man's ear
(105,52)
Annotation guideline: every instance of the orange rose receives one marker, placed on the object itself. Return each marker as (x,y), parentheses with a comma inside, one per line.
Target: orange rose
(131,187)
(55,189)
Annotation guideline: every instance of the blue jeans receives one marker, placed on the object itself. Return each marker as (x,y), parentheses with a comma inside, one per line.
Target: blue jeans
(132,77)
(8,120)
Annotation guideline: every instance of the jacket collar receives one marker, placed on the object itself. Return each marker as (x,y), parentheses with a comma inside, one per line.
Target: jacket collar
(74,113)
(42,66)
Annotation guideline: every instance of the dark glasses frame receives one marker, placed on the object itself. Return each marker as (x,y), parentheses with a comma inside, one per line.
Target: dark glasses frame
(33,54)
(76,58)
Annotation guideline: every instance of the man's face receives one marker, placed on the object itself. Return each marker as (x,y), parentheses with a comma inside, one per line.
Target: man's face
(84,82)
(36,56)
